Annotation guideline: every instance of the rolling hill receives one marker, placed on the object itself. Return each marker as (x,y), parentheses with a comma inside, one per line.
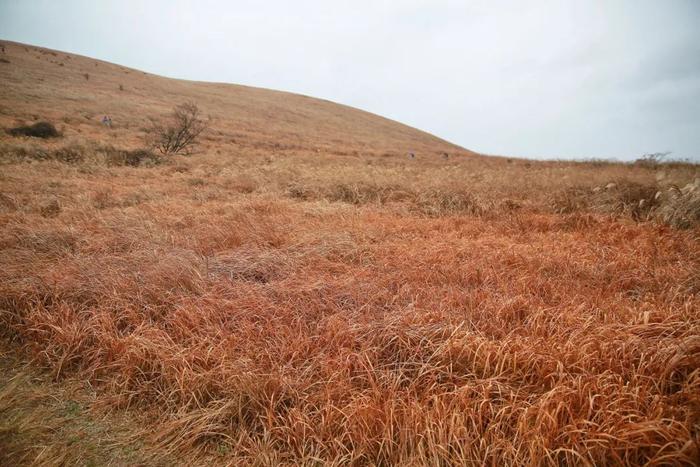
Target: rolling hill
(53,85)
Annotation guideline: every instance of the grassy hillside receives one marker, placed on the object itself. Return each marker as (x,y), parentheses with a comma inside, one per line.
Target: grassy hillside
(77,91)
(299,292)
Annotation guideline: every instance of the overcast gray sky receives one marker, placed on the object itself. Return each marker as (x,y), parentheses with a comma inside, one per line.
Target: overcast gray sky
(545,79)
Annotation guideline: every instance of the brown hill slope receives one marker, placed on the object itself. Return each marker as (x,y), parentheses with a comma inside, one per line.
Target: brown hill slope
(48,84)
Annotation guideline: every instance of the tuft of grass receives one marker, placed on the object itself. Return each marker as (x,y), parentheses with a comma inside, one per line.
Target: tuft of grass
(671,205)
(680,207)
(134,158)
(51,208)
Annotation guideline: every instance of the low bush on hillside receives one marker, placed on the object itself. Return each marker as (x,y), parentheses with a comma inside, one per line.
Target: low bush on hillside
(37,130)
(181,134)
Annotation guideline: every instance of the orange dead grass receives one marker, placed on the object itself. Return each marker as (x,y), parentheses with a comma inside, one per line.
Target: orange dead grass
(276,305)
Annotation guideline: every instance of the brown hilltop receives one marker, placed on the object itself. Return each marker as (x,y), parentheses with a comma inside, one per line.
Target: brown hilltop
(48,84)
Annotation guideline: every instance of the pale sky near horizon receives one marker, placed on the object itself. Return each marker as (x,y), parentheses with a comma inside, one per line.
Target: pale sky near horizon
(541,79)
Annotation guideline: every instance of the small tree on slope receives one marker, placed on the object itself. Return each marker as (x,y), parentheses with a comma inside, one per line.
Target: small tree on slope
(181,134)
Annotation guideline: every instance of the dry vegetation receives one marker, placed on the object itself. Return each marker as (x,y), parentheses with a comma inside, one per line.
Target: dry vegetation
(301,293)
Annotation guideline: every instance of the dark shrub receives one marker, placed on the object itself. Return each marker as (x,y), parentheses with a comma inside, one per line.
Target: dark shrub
(38,130)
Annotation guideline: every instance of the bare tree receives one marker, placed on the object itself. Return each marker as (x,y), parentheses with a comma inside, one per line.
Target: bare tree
(181,134)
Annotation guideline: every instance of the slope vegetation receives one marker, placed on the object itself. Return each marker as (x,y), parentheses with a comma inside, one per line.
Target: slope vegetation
(300,293)
(47,84)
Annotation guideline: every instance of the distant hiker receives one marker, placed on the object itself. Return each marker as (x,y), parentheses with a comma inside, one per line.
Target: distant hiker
(411,155)
(107,121)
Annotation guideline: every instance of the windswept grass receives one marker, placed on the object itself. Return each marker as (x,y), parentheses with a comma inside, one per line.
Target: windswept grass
(360,322)
(299,295)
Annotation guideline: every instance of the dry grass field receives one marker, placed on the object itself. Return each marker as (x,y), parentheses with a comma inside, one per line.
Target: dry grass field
(299,292)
